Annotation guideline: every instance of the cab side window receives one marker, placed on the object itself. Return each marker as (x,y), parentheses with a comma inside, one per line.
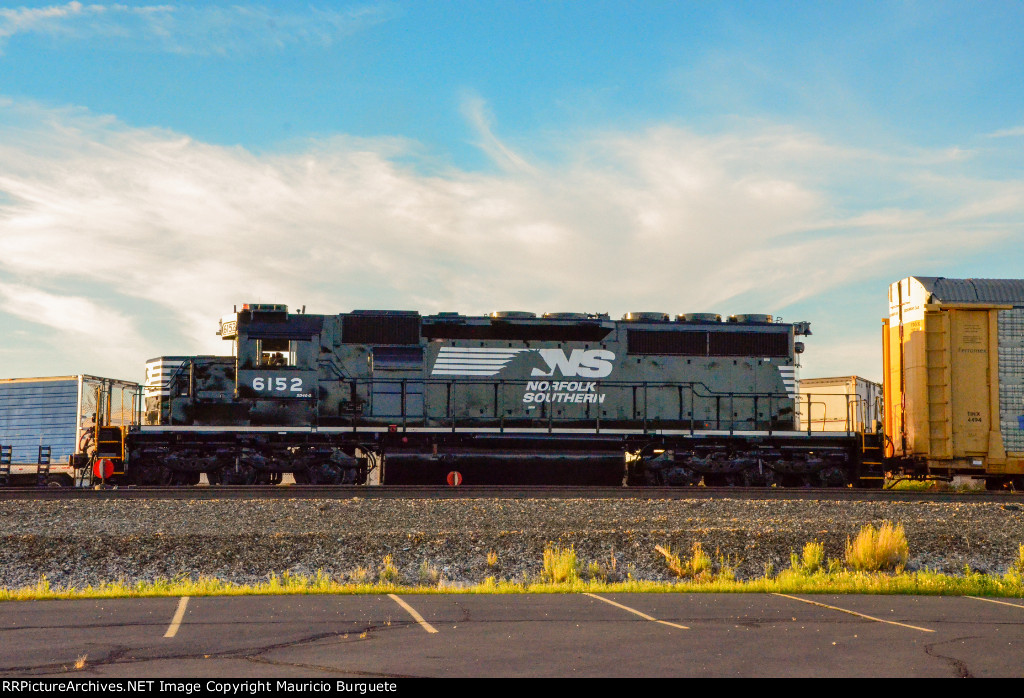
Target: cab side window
(275,353)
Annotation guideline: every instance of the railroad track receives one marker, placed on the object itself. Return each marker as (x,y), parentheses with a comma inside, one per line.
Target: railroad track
(495,492)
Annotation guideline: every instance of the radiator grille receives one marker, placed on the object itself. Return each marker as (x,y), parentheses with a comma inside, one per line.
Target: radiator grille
(380,329)
(767,344)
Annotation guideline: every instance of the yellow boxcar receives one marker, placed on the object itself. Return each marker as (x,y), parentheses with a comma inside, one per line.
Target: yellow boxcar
(954,377)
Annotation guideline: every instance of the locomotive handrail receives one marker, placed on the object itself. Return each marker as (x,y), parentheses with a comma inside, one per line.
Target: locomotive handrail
(856,412)
(334,368)
(810,422)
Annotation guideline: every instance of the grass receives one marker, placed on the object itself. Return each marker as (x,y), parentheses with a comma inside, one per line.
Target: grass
(697,567)
(388,571)
(903,485)
(933,485)
(560,566)
(876,550)
(874,564)
(428,574)
(812,557)
(789,581)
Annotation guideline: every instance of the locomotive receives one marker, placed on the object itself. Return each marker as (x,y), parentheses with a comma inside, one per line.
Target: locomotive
(396,397)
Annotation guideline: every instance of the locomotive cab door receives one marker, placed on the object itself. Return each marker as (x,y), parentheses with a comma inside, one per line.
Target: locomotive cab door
(397,382)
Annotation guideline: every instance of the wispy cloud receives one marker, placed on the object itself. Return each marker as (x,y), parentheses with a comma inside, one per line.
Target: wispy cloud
(475,109)
(192,28)
(149,236)
(1008,133)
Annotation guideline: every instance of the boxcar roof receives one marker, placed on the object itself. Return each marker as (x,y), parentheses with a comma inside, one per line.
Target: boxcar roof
(945,290)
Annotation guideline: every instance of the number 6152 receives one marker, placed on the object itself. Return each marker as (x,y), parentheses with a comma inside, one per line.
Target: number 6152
(278,384)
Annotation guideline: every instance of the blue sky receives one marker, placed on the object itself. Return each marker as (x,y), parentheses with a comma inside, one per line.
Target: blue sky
(160,163)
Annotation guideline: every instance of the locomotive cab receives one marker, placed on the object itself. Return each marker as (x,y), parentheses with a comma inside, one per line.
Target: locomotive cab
(275,355)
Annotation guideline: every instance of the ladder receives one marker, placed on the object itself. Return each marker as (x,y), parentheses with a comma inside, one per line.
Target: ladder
(872,455)
(5,466)
(110,446)
(43,466)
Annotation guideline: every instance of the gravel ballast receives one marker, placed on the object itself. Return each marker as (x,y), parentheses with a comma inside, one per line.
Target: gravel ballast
(82,542)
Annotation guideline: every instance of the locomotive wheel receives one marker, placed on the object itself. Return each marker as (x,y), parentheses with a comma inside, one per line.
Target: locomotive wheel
(794,480)
(675,477)
(322,474)
(151,475)
(752,477)
(238,475)
(185,478)
(834,476)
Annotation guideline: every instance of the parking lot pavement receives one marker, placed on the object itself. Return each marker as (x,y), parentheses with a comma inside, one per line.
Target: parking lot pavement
(627,635)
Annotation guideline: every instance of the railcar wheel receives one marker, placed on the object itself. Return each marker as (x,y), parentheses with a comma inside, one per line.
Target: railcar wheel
(997,483)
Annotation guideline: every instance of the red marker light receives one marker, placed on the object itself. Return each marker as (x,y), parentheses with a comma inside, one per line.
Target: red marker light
(103,468)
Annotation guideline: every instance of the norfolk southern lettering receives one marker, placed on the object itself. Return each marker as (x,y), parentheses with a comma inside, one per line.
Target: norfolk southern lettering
(562,391)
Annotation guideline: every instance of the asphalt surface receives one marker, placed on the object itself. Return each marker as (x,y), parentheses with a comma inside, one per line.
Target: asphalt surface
(553,635)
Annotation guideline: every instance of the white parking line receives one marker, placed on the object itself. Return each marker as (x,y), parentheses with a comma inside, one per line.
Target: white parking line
(1004,603)
(178,615)
(635,612)
(854,613)
(415,616)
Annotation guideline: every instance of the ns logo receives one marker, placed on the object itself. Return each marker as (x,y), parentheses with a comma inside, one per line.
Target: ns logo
(588,363)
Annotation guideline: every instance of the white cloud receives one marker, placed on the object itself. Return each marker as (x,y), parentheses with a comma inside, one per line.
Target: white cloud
(192,28)
(152,236)
(75,315)
(89,330)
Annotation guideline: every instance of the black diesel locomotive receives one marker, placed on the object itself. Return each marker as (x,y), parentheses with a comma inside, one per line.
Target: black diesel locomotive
(396,397)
